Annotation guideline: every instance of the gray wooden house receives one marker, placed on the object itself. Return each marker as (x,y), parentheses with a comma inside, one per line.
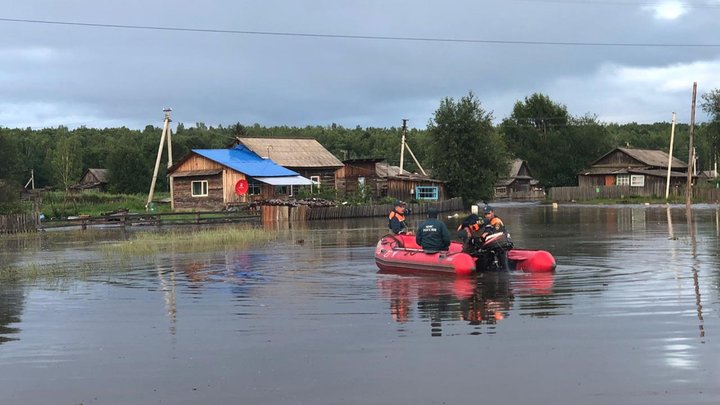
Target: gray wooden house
(518,183)
(381,179)
(641,168)
(93,179)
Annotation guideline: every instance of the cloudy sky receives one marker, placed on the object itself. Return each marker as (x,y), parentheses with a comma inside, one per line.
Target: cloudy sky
(369,63)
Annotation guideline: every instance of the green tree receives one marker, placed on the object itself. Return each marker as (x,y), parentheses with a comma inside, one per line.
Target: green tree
(65,161)
(711,132)
(555,145)
(465,150)
(128,171)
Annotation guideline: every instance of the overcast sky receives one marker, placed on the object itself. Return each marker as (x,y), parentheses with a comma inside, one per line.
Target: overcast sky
(368,63)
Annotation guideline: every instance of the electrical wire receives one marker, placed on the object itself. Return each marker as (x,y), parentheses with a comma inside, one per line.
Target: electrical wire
(363,37)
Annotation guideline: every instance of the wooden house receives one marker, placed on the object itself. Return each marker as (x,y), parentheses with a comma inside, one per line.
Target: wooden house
(359,174)
(213,179)
(641,168)
(380,179)
(93,179)
(518,183)
(403,185)
(304,156)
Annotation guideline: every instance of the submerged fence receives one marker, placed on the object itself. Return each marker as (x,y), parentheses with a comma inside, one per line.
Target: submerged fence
(19,223)
(302,213)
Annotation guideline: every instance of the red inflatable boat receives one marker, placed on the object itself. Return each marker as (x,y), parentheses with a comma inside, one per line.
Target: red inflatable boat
(400,253)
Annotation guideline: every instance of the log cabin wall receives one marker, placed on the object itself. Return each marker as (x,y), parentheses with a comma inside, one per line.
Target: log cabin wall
(185,201)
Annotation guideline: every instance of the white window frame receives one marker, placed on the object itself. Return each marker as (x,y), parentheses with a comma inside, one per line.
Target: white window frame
(316,182)
(637,180)
(622,180)
(203,188)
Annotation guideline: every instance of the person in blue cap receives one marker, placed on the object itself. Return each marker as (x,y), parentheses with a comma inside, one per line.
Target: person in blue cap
(433,235)
(491,223)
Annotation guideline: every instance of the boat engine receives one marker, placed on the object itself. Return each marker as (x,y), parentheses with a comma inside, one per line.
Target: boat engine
(491,252)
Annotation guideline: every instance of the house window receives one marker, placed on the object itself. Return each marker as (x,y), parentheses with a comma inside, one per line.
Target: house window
(500,190)
(426,192)
(316,183)
(637,180)
(281,190)
(623,180)
(254,187)
(199,188)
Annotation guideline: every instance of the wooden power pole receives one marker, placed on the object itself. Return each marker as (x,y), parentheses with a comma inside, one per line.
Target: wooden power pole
(691,158)
(166,132)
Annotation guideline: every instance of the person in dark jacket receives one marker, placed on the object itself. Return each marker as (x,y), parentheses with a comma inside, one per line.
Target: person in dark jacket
(396,219)
(433,235)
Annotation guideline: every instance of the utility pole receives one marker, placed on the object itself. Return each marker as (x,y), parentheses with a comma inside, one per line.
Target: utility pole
(688,188)
(405,145)
(402,145)
(672,138)
(165,133)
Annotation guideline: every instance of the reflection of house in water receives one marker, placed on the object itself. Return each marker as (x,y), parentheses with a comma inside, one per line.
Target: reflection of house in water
(12,300)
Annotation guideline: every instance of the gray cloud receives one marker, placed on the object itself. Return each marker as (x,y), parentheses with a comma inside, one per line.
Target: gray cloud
(73,75)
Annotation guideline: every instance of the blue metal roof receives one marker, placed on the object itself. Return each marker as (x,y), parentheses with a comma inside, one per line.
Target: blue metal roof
(243,160)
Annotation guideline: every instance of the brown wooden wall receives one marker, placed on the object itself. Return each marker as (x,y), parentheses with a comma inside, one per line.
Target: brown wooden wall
(347,178)
(183,199)
(326,174)
(400,188)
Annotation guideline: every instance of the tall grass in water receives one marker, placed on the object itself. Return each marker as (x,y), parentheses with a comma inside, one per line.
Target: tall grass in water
(182,240)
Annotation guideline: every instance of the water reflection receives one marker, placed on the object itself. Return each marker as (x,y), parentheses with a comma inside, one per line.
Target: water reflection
(481,302)
(12,300)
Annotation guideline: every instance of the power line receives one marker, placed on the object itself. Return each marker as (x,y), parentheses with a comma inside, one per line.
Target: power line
(695,5)
(362,37)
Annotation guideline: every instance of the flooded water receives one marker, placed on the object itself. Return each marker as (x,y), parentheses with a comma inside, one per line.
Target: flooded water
(629,317)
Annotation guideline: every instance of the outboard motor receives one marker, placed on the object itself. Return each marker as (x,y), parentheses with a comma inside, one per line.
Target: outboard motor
(492,252)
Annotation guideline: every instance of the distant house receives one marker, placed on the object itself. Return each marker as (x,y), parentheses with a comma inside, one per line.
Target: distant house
(642,168)
(213,179)
(384,180)
(518,183)
(93,179)
(307,157)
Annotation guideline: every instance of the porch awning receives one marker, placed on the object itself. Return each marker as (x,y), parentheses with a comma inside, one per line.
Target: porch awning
(286,181)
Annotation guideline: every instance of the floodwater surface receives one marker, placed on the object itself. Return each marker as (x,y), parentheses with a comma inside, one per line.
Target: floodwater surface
(629,317)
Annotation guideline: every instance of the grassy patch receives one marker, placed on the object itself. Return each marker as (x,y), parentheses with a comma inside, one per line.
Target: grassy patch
(182,240)
(48,273)
(58,204)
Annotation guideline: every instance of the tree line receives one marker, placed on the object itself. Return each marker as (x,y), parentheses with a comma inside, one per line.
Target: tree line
(461,145)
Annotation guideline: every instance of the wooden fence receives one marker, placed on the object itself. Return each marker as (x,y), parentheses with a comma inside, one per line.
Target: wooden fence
(19,223)
(359,211)
(564,194)
(157,219)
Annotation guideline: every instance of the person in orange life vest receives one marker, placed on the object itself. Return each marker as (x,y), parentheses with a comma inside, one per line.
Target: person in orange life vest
(491,223)
(396,219)
(468,231)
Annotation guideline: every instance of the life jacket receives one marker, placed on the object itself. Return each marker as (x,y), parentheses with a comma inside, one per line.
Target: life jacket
(469,229)
(395,214)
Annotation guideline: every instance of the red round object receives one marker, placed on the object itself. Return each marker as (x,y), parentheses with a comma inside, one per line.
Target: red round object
(241,187)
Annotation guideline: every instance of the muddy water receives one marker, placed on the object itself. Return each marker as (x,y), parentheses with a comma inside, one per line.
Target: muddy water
(630,317)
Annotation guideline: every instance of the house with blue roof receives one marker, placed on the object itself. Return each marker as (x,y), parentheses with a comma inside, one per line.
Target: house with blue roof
(213,179)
